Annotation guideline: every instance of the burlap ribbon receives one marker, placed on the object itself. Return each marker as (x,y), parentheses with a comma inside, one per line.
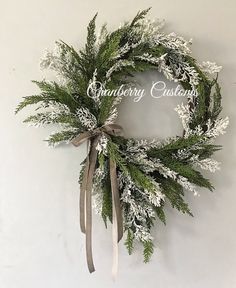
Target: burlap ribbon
(86,192)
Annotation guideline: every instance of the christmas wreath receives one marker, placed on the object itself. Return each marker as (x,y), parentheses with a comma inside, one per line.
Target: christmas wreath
(128,181)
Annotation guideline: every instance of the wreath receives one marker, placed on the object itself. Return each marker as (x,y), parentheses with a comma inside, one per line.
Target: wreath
(128,181)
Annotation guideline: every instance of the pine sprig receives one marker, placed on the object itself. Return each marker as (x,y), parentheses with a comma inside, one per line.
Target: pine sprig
(148,249)
(160,213)
(140,15)
(51,93)
(30,100)
(75,60)
(216,100)
(89,54)
(107,202)
(91,38)
(59,137)
(192,175)
(176,144)
(129,242)
(140,178)
(113,150)
(69,120)
(57,93)
(174,193)
(107,51)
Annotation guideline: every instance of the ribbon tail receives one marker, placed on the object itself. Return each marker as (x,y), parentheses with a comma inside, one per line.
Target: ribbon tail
(114,245)
(82,195)
(116,200)
(88,231)
(117,227)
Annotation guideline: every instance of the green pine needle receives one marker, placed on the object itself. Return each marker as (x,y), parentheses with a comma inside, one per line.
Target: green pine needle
(29,100)
(107,202)
(148,249)
(129,242)
(63,136)
(140,15)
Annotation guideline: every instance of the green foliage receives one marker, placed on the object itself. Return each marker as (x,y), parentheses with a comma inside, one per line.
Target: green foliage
(107,51)
(185,170)
(201,107)
(188,172)
(176,144)
(216,102)
(140,178)
(208,103)
(160,213)
(140,15)
(91,37)
(54,92)
(114,154)
(51,92)
(30,100)
(62,136)
(89,54)
(129,242)
(206,150)
(148,249)
(174,193)
(49,118)
(106,106)
(167,156)
(69,63)
(107,202)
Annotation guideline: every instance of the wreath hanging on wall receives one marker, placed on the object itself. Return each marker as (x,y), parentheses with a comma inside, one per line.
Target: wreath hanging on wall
(128,181)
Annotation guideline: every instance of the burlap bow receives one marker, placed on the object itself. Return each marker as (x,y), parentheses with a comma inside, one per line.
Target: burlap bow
(86,192)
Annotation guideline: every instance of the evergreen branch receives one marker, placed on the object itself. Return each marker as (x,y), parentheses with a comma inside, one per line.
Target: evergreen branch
(88,55)
(192,175)
(176,144)
(186,170)
(105,108)
(91,38)
(174,193)
(160,213)
(107,202)
(216,99)
(140,179)
(140,15)
(54,118)
(74,55)
(114,154)
(129,242)
(54,92)
(106,53)
(206,151)
(148,249)
(63,136)
(30,100)
(202,102)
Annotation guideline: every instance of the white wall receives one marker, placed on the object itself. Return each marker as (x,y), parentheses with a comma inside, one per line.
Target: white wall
(40,242)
